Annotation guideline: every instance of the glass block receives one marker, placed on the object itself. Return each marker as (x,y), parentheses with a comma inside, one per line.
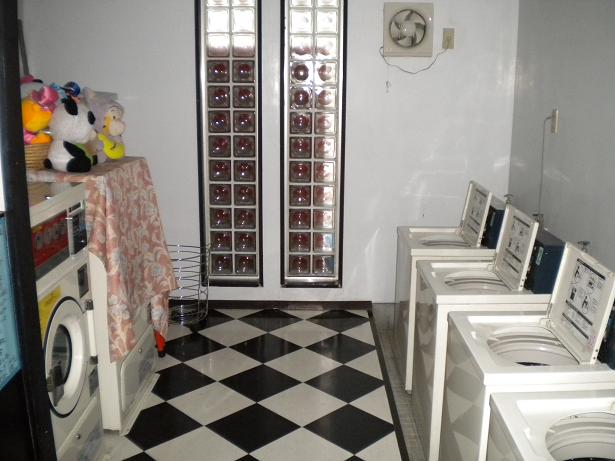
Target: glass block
(324,148)
(324,172)
(327,2)
(219,170)
(299,219)
(300,97)
(325,98)
(300,72)
(219,146)
(326,47)
(244,146)
(219,194)
(325,123)
(299,242)
(324,265)
(300,171)
(217,20)
(245,194)
(300,122)
(244,45)
(244,122)
(326,72)
(326,21)
(218,45)
(243,2)
(220,218)
(299,264)
(221,264)
(245,171)
(217,2)
(245,241)
(245,218)
(324,242)
(300,147)
(301,46)
(323,219)
(219,121)
(243,96)
(300,2)
(220,241)
(245,264)
(301,21)
(243,20)
(300,195)
(243,71)
(218,71)
(324,196)
(219,96)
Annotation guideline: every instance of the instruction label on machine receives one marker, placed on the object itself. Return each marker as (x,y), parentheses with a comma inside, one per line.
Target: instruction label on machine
(517,245)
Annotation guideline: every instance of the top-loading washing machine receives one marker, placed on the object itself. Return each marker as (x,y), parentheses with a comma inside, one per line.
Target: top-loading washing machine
(552,426)
(492,353)
(414,244)
(449,286)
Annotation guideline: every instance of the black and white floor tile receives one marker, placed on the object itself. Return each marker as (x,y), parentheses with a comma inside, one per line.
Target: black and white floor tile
(267,385)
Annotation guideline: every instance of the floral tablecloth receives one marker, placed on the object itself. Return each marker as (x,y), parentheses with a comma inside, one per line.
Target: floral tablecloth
(126,233)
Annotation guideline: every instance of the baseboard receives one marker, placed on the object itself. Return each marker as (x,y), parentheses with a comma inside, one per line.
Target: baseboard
(305,305)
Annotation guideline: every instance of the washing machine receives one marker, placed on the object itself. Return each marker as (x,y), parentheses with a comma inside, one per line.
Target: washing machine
(59,241)
(420,243)
(449,286)
(552,426)
(525,353)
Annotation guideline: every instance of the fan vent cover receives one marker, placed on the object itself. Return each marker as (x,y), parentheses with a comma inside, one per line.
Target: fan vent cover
(408,29)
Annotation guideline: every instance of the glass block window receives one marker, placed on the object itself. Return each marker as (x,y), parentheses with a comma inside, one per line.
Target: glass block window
(230,139)
(313,124)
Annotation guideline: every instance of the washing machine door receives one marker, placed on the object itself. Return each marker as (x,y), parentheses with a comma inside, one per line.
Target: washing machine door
(66,355)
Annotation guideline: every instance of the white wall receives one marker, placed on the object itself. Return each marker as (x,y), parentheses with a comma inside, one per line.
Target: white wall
(409,151)
(566,60)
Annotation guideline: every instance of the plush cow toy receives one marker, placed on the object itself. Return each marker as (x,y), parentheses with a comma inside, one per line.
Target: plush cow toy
(71,126)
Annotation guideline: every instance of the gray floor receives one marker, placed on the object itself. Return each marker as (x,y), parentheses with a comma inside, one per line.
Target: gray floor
(383,315)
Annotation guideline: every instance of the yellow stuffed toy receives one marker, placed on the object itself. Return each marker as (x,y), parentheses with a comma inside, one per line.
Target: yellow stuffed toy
(109,125)
(35,119)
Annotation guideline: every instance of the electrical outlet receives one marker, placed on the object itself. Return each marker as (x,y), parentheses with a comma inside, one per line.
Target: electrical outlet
(448,38)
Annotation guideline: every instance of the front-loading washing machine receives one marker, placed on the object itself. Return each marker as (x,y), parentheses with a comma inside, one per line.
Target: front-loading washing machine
(492,353)
(552,426)
(443,243)
(449,286)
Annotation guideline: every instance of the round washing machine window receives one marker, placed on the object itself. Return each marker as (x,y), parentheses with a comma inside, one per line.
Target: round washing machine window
(583,437)
(61,352)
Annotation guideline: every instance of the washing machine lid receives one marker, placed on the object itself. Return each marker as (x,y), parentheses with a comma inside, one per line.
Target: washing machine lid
(581,303)
(474,215)
(515,245)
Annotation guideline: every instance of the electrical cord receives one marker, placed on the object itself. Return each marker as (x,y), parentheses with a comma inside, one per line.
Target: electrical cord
(381,51)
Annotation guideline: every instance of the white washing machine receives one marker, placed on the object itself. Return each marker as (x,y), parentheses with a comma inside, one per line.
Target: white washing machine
(511,353)
(552,426)
(449,286)
(65,311)
(444,243)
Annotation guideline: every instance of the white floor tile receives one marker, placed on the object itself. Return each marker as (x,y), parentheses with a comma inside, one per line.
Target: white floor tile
(222,363)
(361,312)
(210,403)
(118,448)
(368,364)
(201,443)
(362,333)
(238,313)
(375,403)
(302,404)
(301,445)
(303,364)
(304,333)
(166,362)
(231,333)
(177,331)
(151,400)
(385,448)
(304,313)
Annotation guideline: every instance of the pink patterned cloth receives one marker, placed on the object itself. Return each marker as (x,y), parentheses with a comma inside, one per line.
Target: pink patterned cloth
(126,233)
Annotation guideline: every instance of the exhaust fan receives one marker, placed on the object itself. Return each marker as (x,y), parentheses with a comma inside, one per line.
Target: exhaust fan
(408,29)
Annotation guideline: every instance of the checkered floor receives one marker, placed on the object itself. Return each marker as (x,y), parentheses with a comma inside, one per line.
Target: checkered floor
(267,385)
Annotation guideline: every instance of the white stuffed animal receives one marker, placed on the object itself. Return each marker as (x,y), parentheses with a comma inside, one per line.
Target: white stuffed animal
(71,125)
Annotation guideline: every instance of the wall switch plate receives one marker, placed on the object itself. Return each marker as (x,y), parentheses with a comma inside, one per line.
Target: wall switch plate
(448,38)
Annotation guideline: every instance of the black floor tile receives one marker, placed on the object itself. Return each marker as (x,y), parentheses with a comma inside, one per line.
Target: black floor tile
(345,383)
(191,346)
(179,379)
(260,382)
(247,458)
(159,424)
(270,319)
(140,457)
(341,348)
(213,318)
(350,428)
(354,458)
(265,348)
(339,320)
(252,427)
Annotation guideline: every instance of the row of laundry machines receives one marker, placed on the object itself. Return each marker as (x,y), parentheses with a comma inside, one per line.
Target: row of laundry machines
(478,317)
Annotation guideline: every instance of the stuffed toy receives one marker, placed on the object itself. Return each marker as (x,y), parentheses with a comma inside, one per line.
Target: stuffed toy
(71,126)
(37,106)
(109,125)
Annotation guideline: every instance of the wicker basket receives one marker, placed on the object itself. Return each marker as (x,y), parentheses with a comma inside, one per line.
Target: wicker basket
(36,155)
